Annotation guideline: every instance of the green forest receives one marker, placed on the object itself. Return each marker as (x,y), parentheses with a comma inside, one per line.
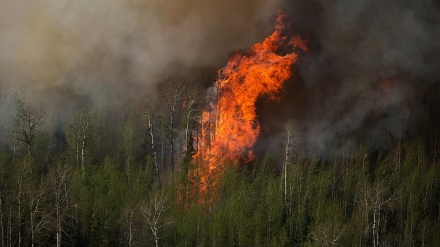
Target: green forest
(218,123)
(106,179)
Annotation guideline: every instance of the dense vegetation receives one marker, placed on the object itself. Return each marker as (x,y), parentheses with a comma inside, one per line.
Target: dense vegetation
(99,181)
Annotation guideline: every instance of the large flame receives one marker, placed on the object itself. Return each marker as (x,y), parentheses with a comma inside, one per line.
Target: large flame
(229,128)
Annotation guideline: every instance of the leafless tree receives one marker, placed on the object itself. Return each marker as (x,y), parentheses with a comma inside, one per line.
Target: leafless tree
(192,101)
(328,234)
(59,178)
(290,141)
(148,110)
(36,195)
(21,179)
(377,198)
(77,133)
(153,211)
(130,223)
(28,120)
(171,92)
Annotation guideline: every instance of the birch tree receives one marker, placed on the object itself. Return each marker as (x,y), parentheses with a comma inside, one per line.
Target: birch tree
(39,218)
(148,111)
(290,142)
(78,131)
(59,177)
(172,92)
(153,211)
(191,104)
(377,198)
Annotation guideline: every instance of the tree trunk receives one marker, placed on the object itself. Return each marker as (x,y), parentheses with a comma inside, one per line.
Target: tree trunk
(58,230)
(29,149)
(32,229)
(19,215)
(172,142)
(83,148)
(153,149)
(156,240)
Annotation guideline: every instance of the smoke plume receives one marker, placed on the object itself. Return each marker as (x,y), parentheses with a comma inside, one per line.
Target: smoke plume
(59,53)
(355,46)
(71,50)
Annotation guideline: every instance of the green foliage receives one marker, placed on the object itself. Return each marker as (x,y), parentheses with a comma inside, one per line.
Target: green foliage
(331,201)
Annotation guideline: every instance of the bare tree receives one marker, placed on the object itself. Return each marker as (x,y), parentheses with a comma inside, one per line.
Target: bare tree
(148,110)
(377,197)
(192,100)
(130,223)
(290,142)
(21,179)
(36,195)
(171,92)
(28,120)
(328,234)
(153,211)
(77,133)
(59,178)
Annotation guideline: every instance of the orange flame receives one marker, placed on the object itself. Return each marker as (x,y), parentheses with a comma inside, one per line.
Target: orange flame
(229,129)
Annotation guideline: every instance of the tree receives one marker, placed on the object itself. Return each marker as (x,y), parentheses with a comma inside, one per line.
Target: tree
(130,144)
(192,100)
(78,134)
(129,223)
(21,178)
(377,197)
(28,120)
(59,179)
(290,142)
(171,92)
(37,198)
(153,211)
(148,111)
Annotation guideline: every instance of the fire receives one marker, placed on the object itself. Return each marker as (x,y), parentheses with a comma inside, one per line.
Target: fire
(229,128)
(386,88)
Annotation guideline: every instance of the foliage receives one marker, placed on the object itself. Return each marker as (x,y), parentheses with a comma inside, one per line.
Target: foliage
(369,197)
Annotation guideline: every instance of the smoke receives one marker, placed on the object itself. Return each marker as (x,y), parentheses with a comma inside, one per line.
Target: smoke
(65,51)
(354,47)
(60,53)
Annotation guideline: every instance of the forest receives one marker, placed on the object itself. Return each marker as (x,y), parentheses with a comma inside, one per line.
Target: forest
(107,180)
(219,123)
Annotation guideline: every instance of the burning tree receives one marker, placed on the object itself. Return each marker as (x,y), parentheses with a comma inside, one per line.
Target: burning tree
(229,128)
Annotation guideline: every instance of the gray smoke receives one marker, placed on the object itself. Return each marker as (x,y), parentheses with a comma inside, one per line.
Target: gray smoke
(355,46)
(59,53)
(117,49)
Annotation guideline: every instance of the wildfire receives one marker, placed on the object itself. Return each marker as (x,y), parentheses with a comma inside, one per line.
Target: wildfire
(229,128)
(385,89)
